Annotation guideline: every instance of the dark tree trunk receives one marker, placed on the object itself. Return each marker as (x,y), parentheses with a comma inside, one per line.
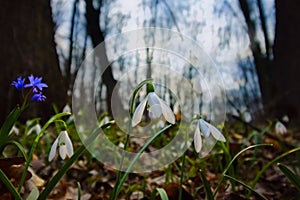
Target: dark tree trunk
(261,61)
(278,77)
(97,36)
(28,47)
(286,66)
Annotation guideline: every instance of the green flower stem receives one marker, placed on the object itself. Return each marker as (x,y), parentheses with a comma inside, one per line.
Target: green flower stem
(34,145)
(132,101)
(231,162)
(119,173)
(131,111)
(181,176)
(70,162)
(119,186)
(207,186)
(79,191)
(9,185)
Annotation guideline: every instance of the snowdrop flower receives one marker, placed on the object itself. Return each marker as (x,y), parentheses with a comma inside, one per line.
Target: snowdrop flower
(67,108)
(65,146)
(285,118)
(15,130)
(157,107)
(104,120)
(247,117)
(280,128)
(36,128)
(205,129)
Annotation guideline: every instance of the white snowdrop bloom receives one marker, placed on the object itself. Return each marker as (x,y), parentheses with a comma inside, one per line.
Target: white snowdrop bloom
(157,107)
(104,120)
(285,118)
(280,128)
(15,130)
(247,117)
(65,146)
(204,128)
(36,128)
(67,108)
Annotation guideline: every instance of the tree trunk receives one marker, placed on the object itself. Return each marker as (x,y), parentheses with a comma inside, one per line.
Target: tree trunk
(97,36)
(286,66)
(278,77)
(28,47)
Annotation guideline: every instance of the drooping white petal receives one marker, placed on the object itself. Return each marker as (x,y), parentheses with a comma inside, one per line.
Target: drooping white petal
(204,127)
(53,150)
(138,113)
(69,146)
(36,128)
(155,110)
(197,139)
(153,99)
(280,128)
(167,112)
(62,144)
(216,133)
(63,151)
(14,129)
(67,108)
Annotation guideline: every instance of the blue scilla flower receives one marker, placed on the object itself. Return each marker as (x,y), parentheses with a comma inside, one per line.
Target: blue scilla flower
(38,97)
(35,82)
(19,83)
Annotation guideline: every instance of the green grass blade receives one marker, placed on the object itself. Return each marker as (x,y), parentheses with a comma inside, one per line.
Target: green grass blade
(162,193)
(8,124)
(207,187)
(259,174)
(9,186)
(294,179)
(79,191)
(231,162)
(19,146)
(260,196)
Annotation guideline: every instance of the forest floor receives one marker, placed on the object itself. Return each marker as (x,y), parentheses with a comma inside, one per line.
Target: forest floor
(97,180)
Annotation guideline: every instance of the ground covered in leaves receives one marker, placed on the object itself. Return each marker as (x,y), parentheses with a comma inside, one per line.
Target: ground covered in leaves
(97,180)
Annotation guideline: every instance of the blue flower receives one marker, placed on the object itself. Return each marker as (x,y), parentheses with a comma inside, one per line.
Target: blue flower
(38,97)
(19,83)
(35,82)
